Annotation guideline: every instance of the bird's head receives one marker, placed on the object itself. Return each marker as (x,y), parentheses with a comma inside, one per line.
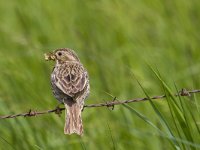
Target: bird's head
(62,55)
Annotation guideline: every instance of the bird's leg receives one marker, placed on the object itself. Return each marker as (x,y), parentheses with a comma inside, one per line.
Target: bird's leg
(63,101)
(58,110)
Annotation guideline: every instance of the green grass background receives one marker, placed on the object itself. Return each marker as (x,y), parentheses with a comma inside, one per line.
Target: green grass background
(114,40)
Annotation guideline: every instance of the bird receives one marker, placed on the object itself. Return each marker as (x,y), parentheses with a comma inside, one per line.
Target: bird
(70,86)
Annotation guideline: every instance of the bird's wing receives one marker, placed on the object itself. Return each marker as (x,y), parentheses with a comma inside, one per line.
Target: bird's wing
(70,78)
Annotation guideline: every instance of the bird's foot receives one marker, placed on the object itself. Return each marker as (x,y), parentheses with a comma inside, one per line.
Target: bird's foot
(58,110)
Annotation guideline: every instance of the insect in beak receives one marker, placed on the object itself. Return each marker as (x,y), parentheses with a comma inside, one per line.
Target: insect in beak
(49,56)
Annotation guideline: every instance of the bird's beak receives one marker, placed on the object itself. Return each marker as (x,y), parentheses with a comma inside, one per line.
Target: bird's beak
(49,56)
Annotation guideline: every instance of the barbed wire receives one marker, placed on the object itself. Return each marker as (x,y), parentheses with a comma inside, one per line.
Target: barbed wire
(109,104)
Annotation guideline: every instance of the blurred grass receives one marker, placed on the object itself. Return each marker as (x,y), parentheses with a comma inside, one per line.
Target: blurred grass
(113,39)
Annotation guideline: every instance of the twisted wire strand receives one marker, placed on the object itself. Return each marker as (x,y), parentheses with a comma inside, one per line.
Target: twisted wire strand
(109,104)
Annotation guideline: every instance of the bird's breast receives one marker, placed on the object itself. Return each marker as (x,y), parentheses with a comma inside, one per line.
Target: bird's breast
(70,78)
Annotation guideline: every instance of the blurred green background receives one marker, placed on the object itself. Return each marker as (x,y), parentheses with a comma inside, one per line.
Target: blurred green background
(114,40)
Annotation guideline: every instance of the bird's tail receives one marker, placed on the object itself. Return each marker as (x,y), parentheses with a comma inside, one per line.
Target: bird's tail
(73,121)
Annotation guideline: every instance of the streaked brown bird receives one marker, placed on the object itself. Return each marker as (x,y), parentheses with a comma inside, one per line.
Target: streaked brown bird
(70,85)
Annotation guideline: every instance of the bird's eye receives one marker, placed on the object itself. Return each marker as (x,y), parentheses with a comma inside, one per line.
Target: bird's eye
(59,53)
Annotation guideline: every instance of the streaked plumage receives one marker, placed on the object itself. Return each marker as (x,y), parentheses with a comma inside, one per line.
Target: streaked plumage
(70,85)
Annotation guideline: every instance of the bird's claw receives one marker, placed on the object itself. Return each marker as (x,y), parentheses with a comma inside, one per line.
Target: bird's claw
(58,111)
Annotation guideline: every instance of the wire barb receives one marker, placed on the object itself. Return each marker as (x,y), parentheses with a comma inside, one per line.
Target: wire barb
(184,92)
(30,113)
(109,104)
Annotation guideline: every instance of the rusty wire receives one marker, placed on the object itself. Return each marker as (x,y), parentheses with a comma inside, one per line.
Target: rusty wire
(109,104)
